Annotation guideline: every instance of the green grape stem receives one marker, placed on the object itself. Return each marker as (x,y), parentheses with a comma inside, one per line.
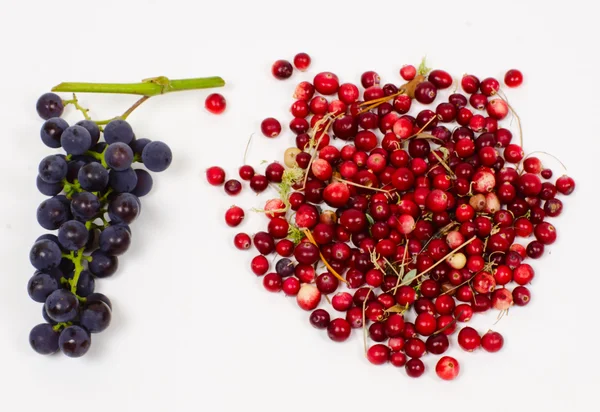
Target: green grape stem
(148,87)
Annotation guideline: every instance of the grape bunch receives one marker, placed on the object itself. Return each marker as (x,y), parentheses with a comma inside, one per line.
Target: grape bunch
(94,195)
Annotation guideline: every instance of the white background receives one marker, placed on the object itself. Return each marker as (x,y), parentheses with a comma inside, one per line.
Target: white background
(192,328)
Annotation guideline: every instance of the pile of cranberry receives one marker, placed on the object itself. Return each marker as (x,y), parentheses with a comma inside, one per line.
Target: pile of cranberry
(383,214)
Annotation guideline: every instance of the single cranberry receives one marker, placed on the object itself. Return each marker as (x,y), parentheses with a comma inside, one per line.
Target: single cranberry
(437,344)
(469,339)
(319,319)
(425,92)
(215,175)
(521,295)
(215,103)
(513,78)
(233,187)
(378,354)
(272,282)
(339,330)
(535,249)
(414,348)
(492,341)
(469,83)
(415,368)
(302,61)
(282,69)
(447,368)
(270,127)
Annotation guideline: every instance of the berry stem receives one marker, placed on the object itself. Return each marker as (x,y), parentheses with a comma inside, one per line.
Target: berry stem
(147,87)
(331,270)
(75,103)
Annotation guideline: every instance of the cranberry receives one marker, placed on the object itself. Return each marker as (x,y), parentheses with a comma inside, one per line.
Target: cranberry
(338,330)
(259,265)
(378,354)
(437,344)
(369,78)
(415,368)
(425,92)
(398,359)
(215,175)
(414,348)
(282,69)
(408,72)
(469,339)
(326,83)
(565,185)
(521,295)
(215,103)
(259,183)
(513,78)
(469,83)
(319,319)
(489,86)
(270,127)
(272,282)
(246,172)
(447,368)
(302,61)
(327,283)
(535,249)
(242,241)
(492,341)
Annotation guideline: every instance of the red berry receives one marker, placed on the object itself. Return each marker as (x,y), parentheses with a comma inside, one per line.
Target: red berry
(398,359)
(282,69)
(489,86)
(302,61)
(408,72)
(319,319)
(242,241)
(521,295)
(215,103)
(233,187)
(470,83)
(447,368)
(326,83)
(370,78)
(291,286)
(492,341)
(259,265)
(339,330)
(437,344)
(215,175)
(259,183)
(469,339)
(272,282)
(565,185)
(513,78)
(246,172)
(415,368)
(440,78)
(378,354)
(270,127)
(234,216)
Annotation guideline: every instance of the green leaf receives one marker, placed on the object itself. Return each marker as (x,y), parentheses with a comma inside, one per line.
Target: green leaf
(409,277)
(370,219)
(423,69)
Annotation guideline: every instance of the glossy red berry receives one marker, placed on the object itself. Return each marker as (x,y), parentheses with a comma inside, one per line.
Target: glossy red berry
(282,69)
(215,103)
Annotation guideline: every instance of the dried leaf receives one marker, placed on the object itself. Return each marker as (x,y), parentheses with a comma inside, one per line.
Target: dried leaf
(396,309)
